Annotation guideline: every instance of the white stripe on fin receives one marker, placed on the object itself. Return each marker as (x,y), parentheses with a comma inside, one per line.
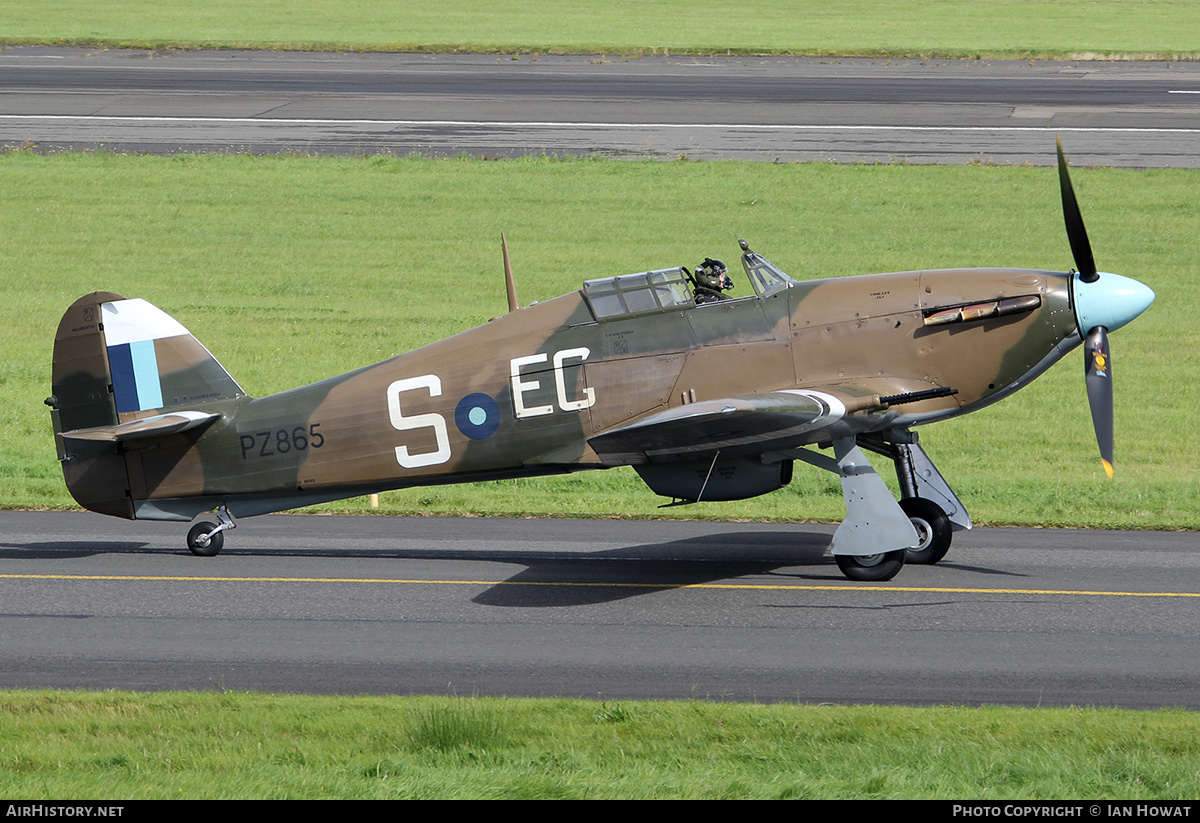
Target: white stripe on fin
(135,321)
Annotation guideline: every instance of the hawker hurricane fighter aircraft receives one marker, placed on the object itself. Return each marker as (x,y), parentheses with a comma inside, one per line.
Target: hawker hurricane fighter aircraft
(707,396)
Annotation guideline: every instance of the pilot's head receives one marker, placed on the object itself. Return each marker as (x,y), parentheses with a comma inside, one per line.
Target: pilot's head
(712,274)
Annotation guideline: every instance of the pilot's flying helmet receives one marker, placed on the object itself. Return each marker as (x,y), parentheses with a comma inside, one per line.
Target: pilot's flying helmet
(712,274)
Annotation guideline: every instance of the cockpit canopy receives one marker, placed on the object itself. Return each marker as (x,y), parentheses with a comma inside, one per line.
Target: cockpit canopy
(651,292)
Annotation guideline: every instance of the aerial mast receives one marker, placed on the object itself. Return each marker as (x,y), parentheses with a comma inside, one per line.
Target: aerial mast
(510,285)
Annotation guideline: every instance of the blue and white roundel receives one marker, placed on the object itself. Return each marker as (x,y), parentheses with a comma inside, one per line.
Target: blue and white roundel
(477,416)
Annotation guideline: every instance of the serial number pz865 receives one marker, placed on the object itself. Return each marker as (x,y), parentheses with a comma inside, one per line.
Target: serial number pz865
(275,442)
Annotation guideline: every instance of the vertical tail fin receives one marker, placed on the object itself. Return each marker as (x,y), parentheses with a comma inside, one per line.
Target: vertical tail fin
(117,361)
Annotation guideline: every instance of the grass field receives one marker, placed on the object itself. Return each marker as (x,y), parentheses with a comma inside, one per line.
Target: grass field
(291,269)
(1164,29)
(231,745)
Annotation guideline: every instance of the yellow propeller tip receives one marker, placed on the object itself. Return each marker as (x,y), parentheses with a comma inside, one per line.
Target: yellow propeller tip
(1107,468)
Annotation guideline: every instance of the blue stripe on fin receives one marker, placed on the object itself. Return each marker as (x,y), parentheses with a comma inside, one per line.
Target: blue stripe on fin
(120,363)
(145,371)
(136,383)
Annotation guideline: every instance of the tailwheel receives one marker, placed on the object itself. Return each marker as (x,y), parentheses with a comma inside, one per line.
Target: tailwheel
(882,566)
(203,541)
(933,530)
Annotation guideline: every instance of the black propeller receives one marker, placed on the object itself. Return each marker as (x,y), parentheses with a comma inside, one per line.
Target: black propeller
(1081,249)
(1097,363)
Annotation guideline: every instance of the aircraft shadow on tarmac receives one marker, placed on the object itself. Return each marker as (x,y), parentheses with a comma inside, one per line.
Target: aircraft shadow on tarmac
(577,579)
(71,549)
(573,579)
(568,578)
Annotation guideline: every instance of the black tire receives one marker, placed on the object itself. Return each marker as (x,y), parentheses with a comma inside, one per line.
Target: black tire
(203,544)
(871,566)
(933,527)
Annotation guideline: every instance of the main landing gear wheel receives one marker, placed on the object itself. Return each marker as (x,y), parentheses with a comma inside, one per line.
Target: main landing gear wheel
(871,566)
(933,529)
(202,542)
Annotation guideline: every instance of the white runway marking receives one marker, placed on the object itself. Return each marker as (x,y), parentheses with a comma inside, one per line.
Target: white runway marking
(550,124)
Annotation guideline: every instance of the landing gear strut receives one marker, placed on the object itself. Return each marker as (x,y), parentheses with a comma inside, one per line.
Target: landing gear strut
(931,505)
(878,534)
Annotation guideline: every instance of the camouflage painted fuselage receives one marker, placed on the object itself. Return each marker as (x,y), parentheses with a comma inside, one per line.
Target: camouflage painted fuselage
(552,388)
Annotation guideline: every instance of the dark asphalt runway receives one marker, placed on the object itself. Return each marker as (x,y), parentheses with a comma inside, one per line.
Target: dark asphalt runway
(608,609)
(765,109)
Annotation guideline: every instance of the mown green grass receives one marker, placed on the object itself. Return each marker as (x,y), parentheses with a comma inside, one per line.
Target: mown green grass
(1165,29)
(291,269)
(112,745)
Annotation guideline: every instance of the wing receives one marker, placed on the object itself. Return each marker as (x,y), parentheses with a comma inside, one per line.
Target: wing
(791,417)
(780,419)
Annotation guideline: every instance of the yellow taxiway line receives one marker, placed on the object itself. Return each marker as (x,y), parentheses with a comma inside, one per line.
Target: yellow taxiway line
(848,587)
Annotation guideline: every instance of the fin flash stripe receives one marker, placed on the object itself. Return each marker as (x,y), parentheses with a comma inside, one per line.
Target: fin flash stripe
(136,384)
(131,328)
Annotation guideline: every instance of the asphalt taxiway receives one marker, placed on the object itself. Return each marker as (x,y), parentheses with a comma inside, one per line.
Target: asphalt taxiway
(607,609)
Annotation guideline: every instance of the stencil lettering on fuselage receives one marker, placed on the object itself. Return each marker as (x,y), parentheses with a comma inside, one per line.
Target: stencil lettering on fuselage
(433,384)
(530,384)
(535,393)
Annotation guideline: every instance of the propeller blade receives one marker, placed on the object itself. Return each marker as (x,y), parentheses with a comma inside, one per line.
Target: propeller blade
(1081,249)
(1097,369)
